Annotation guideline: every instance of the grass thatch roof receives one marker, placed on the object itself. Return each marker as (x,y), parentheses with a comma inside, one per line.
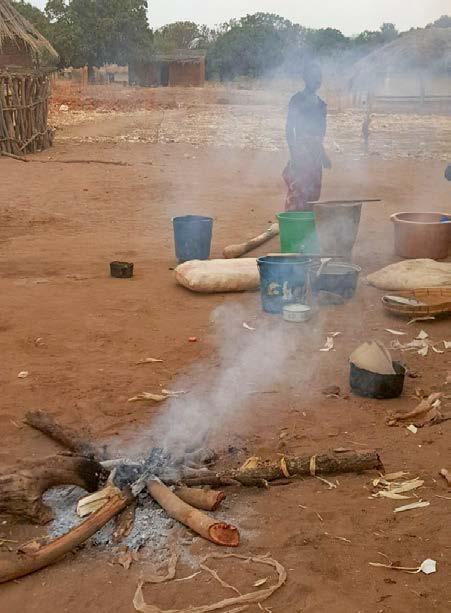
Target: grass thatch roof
(426,49)
(15,27)
(185,56)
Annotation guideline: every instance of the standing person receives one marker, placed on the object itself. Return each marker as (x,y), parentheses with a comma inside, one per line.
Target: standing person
(305,131)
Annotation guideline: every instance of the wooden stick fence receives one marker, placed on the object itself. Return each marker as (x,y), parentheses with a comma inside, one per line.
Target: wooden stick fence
(24,100)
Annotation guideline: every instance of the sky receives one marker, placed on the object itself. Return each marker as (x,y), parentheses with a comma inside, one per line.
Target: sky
(349,16)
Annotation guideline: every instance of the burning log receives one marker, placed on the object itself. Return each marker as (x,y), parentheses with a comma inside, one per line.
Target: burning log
(46,555)
(207,500)
(21,489)
(219,533)
(65,436)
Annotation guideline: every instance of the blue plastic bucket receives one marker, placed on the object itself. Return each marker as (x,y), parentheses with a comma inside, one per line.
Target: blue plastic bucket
(282,281)
(192,237)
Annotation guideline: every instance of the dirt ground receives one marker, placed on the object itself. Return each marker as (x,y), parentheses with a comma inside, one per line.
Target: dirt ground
(60,226)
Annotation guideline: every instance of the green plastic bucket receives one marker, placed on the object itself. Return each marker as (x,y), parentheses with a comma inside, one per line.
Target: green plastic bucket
(298,232)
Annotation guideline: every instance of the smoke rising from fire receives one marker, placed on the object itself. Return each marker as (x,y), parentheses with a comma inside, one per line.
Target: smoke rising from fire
(247,361)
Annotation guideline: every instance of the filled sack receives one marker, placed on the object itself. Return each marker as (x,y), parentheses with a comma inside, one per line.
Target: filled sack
(218,276)
(412,274)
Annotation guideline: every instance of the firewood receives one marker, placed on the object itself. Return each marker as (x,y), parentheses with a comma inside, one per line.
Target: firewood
(14,157)
(21,488)
(324,464)
(219,533)
(124,523)
(311,465)
(92,503)
(207,500)
(66,436)
(46,555)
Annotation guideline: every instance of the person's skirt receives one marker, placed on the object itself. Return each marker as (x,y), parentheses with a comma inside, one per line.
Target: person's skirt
(303,181)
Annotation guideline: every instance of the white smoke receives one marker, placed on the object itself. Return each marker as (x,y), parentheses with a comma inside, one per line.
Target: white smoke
(248,361)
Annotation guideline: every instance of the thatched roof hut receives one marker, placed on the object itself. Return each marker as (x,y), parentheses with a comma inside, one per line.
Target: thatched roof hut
(428,49)
(24,86)
(20,42)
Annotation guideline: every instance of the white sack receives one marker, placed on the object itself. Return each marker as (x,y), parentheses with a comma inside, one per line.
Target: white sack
(412,274)
(210,276)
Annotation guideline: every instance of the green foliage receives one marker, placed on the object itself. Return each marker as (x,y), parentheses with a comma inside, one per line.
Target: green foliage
(95,32)
(34,16)
(253,45)
(182,35)
(442,22)
(326,40)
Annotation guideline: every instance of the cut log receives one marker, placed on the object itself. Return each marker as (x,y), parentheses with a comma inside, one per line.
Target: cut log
(22,565)
(92,503)
(21,489)
(219,533)
(266,471)
(207,500)
(324,464)
(64,435)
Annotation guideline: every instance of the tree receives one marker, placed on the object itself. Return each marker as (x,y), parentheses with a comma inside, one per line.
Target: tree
(182,35)
(253,45)
(388,32)
(95,32)
(442,22)
(326,40)
(34,16)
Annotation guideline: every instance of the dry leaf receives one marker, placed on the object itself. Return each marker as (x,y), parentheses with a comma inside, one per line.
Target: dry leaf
(248,327)
(423,351)
(148,361)
(427,567)
(410,507)
(426,413)
(251,463)
(395,476)
(331,485)
(446,475)
(173,394)
(395,332)
(392,495)
(329,344)
(148,396)
(407,486)
(423,335)
(434,348)
(415,319)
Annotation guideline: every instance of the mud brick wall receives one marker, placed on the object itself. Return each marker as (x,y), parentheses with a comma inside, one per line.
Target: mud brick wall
(187,74)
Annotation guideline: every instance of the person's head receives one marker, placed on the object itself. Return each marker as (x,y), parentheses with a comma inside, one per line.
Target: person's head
(313,77)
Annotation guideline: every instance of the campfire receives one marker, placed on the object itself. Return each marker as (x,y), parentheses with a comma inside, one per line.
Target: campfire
(184,485)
